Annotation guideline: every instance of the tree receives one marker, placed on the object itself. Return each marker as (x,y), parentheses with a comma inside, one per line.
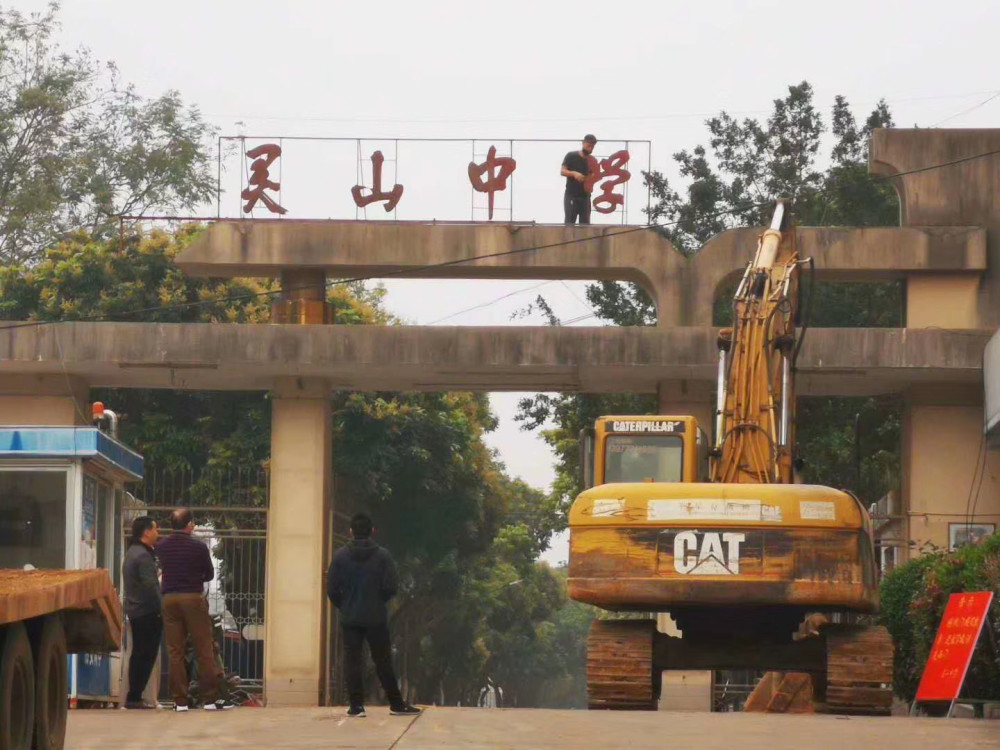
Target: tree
(78,147)
(462,530)
(733,182)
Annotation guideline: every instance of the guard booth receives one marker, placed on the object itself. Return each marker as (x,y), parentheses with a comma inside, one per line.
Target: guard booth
(62,493)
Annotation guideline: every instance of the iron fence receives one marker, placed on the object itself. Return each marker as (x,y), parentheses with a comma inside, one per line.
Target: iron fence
(230,512)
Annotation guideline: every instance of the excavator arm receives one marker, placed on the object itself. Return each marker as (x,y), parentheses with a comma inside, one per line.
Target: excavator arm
(755,401)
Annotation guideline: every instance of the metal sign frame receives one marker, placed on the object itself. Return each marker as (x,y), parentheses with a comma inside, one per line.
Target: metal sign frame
(475,143)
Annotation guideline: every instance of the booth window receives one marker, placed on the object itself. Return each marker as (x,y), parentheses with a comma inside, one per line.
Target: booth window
(33,519)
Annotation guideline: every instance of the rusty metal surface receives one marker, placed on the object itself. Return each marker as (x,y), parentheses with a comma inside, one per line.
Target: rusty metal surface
(858,669)
(621,674)
(636,567)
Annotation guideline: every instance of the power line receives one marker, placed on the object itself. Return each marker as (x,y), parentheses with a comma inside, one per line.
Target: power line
(966,111)
(487,304)
(580,118)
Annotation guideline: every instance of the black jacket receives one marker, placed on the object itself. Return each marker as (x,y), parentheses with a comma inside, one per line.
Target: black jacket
(361,579)
(142,589)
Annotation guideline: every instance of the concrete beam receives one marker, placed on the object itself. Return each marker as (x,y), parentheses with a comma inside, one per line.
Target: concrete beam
(204,356)
(947,177)
(682,287)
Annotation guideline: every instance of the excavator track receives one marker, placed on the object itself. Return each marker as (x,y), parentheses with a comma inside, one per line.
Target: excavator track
(620,671)
(858,670)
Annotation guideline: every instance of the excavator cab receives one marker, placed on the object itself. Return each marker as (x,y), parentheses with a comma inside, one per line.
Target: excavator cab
(643,449)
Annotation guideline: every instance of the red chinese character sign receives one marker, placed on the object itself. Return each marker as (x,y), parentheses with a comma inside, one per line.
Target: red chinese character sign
(258,169)
(376,194)
(495,170)
(952,650)
(614,168)
(260,180)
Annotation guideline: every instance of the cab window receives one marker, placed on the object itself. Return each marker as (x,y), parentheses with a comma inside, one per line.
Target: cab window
(643,458)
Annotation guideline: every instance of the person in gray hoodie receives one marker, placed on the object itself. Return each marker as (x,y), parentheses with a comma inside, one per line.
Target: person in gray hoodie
(143,607)
(360,581)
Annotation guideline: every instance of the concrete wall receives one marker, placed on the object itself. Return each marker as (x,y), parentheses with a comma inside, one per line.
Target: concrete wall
(949,476)
(44,400)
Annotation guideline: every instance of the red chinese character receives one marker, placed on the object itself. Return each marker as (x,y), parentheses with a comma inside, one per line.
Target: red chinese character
(494,180)
(391,198)
(260,180)
(613,167)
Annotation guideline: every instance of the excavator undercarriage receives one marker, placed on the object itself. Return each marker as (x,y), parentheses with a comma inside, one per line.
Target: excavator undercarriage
(848,667)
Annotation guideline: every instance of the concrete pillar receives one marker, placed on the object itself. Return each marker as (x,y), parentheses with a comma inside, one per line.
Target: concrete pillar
(688,397)
(45,400)
(947,470)
(296,543)
(303,297)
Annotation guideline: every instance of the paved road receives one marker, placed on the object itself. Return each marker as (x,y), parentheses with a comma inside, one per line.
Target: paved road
(481,729)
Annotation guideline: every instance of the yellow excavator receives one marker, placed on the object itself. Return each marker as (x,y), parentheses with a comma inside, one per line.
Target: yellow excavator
(719,535)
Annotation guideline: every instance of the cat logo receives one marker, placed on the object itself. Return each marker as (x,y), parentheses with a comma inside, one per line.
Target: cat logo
(708,553)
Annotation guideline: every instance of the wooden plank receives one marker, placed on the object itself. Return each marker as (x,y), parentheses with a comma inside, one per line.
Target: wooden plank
(793,695)
(25,594)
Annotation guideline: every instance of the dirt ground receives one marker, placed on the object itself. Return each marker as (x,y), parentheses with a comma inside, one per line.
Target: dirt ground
(497,729)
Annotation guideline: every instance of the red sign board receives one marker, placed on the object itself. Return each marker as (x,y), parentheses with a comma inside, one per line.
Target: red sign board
(952,651)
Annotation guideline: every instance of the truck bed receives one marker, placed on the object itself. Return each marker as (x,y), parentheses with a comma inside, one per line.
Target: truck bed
(86,598)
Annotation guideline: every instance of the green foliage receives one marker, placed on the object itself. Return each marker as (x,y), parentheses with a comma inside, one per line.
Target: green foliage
(732,182)
(474,602)
(851,443)
(78,148)
(913,599)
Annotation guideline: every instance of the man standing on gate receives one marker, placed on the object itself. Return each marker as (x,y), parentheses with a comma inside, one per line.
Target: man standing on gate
(360,581)
(143,605)
(575,168)
(187,567)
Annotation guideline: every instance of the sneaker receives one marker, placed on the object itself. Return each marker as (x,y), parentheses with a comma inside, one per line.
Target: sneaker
(220,705)
(138,706)
(405,710)
(178,707)
(356,712)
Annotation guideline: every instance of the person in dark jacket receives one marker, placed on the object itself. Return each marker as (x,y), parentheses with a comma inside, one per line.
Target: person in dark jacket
(575,168)
(361,580)
(142,607)
(187,567)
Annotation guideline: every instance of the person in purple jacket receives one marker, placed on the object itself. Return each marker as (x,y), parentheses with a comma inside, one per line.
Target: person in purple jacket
(186,566)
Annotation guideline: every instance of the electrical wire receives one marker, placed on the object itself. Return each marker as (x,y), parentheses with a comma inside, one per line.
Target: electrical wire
(980,456)
(491,302)
(966,111)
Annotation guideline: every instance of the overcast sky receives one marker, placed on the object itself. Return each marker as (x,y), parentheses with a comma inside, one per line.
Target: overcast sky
(525,69)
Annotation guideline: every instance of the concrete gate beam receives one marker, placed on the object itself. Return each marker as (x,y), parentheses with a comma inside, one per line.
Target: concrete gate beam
(229,356)
(682,287)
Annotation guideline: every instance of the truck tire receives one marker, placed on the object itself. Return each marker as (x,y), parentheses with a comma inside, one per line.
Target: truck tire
(17,689)
(51,688)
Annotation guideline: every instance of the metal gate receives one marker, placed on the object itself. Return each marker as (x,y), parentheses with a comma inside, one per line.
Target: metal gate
(230,514)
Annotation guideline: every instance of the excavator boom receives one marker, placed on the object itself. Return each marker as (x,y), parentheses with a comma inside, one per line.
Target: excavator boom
(755,399)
